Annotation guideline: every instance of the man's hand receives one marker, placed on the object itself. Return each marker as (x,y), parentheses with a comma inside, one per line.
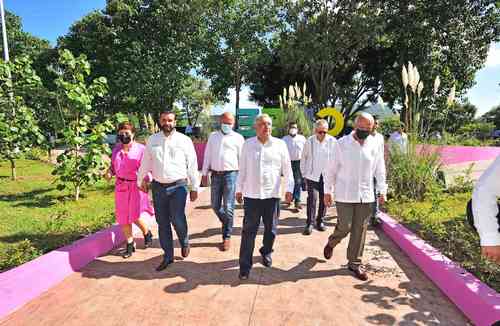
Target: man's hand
(288,197)
(328,200)
(144,186)
(381,200)
(108,176)
(204,181)
(239,197)
(193,195)
(491,253)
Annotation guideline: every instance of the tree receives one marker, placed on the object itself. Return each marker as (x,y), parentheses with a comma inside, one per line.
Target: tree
(195,98)
(83,160)
(492,116)
(146,49)
(239,31)
(19,131)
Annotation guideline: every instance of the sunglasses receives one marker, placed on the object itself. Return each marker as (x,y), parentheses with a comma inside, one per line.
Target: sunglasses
(321,132)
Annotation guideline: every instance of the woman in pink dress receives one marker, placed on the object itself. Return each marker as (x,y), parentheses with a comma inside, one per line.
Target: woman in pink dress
(130,202)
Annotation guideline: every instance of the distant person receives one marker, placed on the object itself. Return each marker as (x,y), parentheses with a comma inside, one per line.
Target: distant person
(222,162)
(380,140)
(399,140)
(130,201)
(318,154)
(485,210)
(171,159)
(188,130)
(295,144)
(264,159)
(357,160)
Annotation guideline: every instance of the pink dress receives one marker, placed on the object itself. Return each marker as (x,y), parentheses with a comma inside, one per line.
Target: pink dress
(130,202)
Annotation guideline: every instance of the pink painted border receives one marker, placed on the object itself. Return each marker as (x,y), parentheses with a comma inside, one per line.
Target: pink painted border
(461,154)
(24,283)
(478,302)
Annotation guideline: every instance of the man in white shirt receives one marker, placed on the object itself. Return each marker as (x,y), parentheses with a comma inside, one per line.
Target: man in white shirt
(222,161)
(399,140)
(295,143)
(358,160)
(317,155)
(171,158)
(379,138)
(485,210)
(263,160)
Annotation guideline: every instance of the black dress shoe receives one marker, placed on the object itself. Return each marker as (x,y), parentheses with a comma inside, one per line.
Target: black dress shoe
(148,239)
(320,226)
(359,273)
(164,264)
(243,275)
(307,229)
(328,251)
(129,250)
(266,258)
(185,251)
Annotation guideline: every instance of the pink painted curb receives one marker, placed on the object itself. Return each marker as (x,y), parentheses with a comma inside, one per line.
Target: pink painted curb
(26,282)
(461,154)
(476,300)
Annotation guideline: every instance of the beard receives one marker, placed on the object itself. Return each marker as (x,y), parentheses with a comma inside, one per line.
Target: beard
(167,128)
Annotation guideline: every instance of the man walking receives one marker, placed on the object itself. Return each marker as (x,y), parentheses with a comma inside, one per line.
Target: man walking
(171,158)
(379,139)
(263,160)
(357,161)
(222,160)
(295,143)
(317,155)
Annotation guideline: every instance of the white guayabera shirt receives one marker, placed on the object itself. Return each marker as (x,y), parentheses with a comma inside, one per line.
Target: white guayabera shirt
(484,205)
(317,156)
(170,159)
(351,173)
(223,152)
(261,167)
(295,146)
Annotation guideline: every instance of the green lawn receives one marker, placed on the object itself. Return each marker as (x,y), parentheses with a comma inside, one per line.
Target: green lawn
(37,218)
(440,220)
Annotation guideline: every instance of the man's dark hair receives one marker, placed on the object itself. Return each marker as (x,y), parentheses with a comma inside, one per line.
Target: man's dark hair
(375,118)
(168,112)
(293,123)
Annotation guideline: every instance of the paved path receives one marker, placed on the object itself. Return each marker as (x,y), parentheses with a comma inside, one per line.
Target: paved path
(300,289)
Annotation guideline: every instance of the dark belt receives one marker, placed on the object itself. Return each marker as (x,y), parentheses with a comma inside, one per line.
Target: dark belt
(123,179)
(180,182)
(222,172)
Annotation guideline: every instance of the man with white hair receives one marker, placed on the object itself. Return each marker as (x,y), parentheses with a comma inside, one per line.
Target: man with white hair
(357,161)
(263,160)
(316,156)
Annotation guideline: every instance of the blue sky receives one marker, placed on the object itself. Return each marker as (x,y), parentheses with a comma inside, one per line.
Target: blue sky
(52,18)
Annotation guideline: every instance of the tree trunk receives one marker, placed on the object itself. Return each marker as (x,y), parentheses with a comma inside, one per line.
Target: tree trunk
(13,169)
(77,193)
(238,89)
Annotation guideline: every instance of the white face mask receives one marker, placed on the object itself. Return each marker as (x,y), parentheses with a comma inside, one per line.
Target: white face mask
(225,128)
(293,131)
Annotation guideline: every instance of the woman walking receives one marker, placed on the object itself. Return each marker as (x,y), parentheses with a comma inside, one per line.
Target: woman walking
(130,201)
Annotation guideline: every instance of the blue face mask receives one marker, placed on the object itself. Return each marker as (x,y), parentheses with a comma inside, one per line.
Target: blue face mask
(225,128)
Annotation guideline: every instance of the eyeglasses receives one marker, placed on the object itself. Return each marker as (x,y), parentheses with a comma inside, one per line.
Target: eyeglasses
(321,132)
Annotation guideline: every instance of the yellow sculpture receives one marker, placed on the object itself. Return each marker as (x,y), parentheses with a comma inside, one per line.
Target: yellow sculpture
(335,115)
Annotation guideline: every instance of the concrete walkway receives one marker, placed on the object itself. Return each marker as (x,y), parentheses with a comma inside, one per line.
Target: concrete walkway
(300,289)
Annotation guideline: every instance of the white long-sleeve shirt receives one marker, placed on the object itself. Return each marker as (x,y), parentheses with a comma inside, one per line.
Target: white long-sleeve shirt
(170,159)
(222,152)
(295,146)
(316,156)
(399,141)
(351,173)
(261,167)
(379,138)
(484,205)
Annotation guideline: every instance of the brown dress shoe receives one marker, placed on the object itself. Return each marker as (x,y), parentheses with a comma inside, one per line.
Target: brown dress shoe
(328,251)
(226,244)
(185,251)
(359,273)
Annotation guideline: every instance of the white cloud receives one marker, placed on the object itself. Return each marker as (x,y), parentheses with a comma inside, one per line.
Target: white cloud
(493,56)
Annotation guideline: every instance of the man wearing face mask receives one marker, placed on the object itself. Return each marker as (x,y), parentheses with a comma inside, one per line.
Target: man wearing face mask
(222,160)
(295,144)
(171,158)
(358,160)
(317,155)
